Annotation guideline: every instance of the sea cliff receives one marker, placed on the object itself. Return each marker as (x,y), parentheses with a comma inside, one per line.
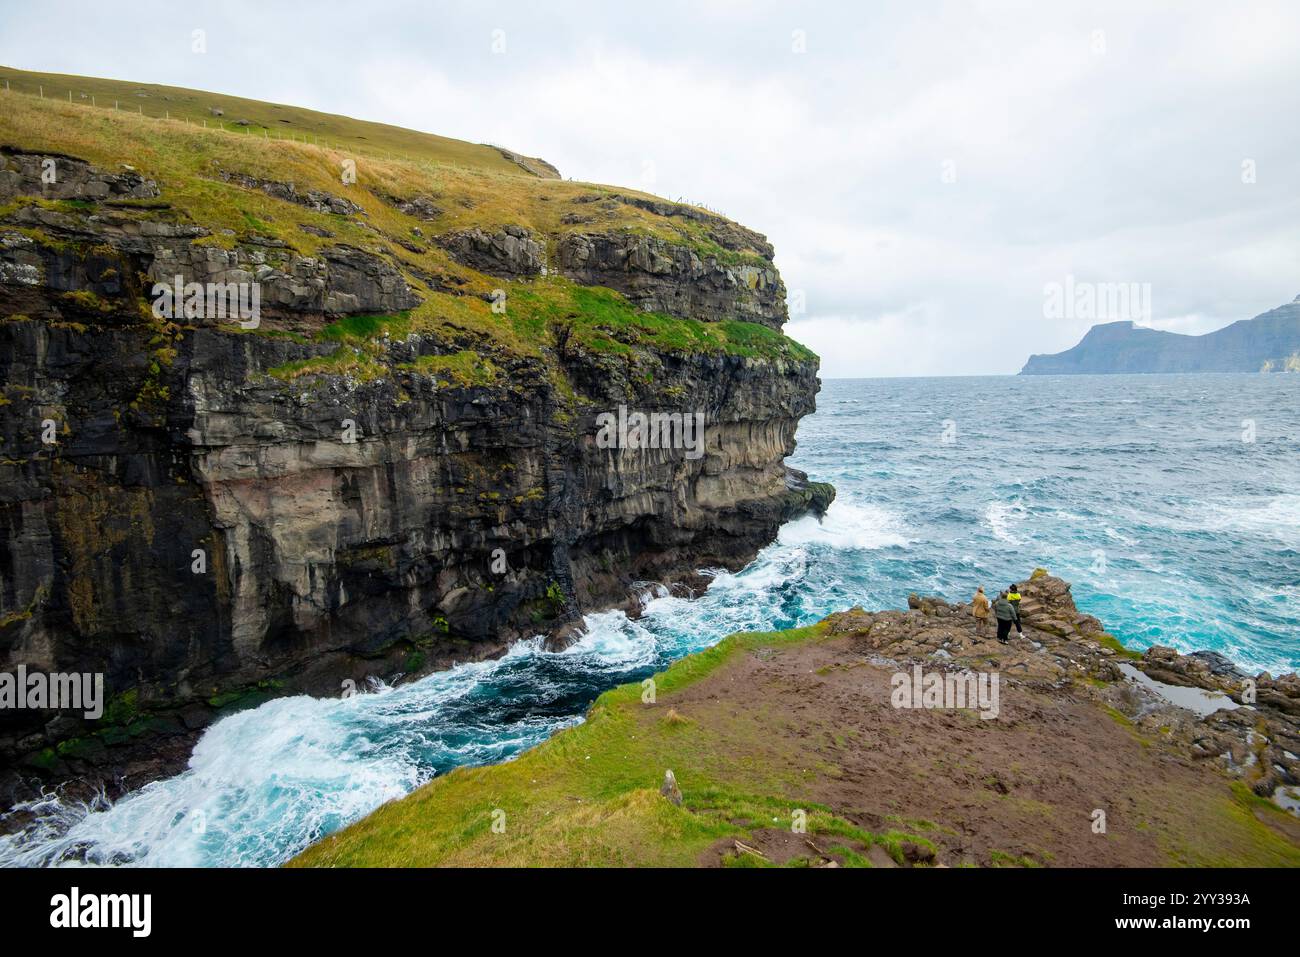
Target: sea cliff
(393,465)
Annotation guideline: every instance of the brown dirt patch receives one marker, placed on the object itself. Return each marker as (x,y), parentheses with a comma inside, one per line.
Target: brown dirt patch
(1017,789)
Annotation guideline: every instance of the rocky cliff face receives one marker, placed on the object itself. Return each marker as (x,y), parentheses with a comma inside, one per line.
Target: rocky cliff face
(663,277)
(209,514)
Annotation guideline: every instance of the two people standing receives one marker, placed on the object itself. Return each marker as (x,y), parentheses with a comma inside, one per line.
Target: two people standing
(1006,609)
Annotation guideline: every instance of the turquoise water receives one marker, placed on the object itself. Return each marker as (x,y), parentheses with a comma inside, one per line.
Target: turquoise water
(1138,489)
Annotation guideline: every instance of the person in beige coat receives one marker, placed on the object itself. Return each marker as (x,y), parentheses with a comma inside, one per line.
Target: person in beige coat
(979,607)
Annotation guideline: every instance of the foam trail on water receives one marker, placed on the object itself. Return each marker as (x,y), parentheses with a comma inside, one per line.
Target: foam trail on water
(263,784)
(998,516)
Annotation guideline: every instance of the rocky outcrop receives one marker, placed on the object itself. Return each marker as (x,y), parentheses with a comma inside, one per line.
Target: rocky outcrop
(1062,646)
(665,277)
(216,517)
(55,176)
(806,497)
(530,164)
(421,207)
(724,232)
(314,199)
(296,291)
(510,251)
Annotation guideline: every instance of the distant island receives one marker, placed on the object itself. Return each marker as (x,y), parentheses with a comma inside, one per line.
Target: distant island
(1268,343)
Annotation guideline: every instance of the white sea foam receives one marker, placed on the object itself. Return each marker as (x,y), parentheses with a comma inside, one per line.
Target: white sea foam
(848,524)
(1277,517)
(265,782)
(1119,537)
(1002,518)
(613,639)
(273,776)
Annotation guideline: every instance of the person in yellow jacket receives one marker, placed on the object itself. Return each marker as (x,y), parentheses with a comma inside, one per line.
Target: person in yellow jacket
(979,607)
(1013,596)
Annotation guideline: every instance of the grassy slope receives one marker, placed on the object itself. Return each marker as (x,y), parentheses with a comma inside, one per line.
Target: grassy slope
(471,186)
(281,119)
(588,796)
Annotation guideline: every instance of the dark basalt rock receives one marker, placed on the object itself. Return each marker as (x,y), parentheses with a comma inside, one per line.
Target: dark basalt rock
(461,518)
(665,277)
(314,199)
(24,171)
(1220,665)
(511,251)
(807,497)
(421,207)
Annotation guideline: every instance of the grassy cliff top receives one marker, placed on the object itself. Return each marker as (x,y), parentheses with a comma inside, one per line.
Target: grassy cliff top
(160,133)
(197,106)
(175,141)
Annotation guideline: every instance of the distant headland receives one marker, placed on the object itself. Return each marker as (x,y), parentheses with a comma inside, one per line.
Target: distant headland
(1270,342)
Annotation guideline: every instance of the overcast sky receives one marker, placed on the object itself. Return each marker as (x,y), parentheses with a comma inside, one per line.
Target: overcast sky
(923,169)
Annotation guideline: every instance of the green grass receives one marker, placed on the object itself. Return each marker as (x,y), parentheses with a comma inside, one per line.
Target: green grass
(471,185)
(1119,718)
(539,314)
(1231,832)
(344,361)
(603,321)
(156,100)
(1107,640)
(1000,859)
(464,368)
(364,328)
